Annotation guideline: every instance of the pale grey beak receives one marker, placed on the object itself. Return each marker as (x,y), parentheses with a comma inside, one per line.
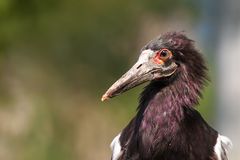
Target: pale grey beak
(138,74)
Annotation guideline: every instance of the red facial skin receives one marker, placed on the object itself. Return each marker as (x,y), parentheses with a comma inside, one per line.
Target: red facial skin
(162,56)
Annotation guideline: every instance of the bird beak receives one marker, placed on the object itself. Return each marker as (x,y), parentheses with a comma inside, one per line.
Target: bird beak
(133,77)
(138,74)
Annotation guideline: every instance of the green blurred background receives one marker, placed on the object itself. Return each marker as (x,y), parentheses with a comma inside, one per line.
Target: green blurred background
(57,57)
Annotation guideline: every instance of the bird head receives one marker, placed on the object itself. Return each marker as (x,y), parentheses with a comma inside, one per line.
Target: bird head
(161,58)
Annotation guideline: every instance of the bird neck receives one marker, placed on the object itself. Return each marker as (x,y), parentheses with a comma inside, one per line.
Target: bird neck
(175,93)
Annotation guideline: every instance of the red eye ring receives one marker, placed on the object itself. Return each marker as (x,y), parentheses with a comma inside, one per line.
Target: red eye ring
(162,56)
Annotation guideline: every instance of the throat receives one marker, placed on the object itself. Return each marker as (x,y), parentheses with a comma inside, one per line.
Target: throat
(167,99)
(181,90)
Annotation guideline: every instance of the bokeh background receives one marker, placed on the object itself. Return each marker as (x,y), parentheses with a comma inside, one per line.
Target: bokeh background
(57,57)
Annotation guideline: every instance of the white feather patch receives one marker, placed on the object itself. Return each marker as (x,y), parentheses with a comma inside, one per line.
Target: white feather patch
(222,147)
(145,56)
(116,148)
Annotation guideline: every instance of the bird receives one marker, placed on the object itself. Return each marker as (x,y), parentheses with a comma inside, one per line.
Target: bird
(167,125)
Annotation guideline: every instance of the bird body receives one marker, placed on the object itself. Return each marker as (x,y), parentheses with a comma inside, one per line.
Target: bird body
(167,126)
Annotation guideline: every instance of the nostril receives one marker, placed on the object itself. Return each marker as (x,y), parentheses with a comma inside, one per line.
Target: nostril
(139,66)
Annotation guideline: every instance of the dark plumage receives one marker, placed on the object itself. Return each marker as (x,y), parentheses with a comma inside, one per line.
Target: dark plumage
(167,126)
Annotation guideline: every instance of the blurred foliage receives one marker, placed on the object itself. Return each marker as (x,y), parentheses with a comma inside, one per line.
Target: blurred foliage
(56,59)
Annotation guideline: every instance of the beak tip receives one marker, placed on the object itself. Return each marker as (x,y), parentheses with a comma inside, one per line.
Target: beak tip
(104,97)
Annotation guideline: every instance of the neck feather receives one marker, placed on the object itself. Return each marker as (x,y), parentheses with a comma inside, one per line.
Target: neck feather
(180,90)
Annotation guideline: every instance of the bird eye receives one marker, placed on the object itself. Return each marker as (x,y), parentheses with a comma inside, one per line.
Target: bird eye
(162,56)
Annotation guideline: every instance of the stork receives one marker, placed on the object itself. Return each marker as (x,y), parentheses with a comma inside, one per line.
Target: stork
(167,125)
